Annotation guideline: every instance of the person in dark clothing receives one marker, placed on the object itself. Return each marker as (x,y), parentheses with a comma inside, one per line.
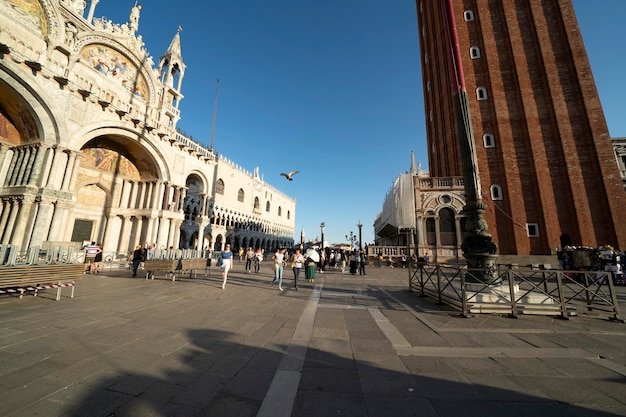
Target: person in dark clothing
(137,258)
(362,259)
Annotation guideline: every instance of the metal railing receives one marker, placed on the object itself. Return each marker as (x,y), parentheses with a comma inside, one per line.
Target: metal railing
(521,291)
(12,255)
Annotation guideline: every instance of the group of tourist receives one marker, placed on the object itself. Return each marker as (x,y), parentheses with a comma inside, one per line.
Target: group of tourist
(93,257)
(297,261)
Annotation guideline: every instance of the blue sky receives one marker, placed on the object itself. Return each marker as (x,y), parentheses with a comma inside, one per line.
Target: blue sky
(329,87)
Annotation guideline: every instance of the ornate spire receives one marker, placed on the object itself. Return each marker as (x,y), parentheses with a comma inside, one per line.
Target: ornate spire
(174,49)
(134,17)
(171,64)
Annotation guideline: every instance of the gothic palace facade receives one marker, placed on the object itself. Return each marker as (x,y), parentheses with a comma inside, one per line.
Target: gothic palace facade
(90,151)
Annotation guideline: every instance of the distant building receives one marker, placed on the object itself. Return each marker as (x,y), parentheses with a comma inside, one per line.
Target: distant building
(423,215)
(544,154)
(89,148)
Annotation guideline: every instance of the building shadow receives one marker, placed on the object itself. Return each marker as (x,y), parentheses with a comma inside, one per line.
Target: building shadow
(216,376)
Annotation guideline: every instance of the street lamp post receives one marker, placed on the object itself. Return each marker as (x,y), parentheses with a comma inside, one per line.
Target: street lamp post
(360,241)
(352,239)
(322,226)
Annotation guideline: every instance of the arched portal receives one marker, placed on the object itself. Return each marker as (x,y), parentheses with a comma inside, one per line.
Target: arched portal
(122,214)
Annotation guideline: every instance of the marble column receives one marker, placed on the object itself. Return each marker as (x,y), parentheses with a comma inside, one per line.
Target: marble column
(151,189)
(67,177)
(9,226)
(75,169)
(6,209)
(437,233)
(111,234)
(162,235)
(58,158)
(177,224)
(58,228)
(124,242)
(46,166)
(142,195)
(171,242)
(6,158)
(38,212)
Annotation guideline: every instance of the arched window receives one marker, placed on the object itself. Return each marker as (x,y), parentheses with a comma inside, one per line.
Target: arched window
(240,195)
(267,206)
(280,211)
(257,205)
(496,192)
(431,236)
(219,187)
(447,227)
(481,93)
(474,52)
(489,140)
(468,15)
(288,215)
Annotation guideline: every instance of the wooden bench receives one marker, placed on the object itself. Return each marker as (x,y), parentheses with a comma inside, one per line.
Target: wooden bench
(16,279)
(173,267)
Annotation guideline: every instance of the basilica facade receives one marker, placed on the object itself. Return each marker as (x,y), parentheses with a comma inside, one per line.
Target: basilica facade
(89,148)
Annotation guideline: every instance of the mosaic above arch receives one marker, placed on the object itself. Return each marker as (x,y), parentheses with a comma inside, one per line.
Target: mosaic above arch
(117,67)
(110,161)
(29,13)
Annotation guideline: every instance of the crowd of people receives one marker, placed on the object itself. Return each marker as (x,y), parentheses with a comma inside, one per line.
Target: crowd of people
(309,262)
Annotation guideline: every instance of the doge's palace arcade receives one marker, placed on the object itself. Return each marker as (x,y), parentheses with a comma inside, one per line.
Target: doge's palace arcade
(89,148)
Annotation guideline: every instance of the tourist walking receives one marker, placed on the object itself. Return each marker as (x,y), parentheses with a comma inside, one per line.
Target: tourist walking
(137,258)
(279,260)
(309,272)
(362,259)
(297,262)
(226,257)
(91,250)
(96,260)
(249,259)
(258,258)
(354,261)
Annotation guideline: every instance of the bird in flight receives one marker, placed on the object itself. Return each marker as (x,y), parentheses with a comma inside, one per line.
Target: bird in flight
(290,175)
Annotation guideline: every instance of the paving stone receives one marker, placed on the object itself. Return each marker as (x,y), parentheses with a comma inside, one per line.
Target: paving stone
(330,380)
(229,406)
(391,405)
(329,404)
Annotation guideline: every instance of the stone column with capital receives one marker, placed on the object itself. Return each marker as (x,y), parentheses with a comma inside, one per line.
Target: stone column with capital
(6,156)
(67,178)
(57,227)
(41,224)
(92,9)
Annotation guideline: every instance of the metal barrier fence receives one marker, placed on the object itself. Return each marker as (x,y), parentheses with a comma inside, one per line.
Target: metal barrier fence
(521,291)
(12,255)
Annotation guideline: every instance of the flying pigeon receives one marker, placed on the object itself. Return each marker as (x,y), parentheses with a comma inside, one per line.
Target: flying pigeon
(290,175)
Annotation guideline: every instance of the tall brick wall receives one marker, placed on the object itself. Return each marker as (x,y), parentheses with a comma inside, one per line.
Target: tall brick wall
(553,156)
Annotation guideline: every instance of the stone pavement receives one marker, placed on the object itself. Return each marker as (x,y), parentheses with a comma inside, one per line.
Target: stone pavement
(343,346)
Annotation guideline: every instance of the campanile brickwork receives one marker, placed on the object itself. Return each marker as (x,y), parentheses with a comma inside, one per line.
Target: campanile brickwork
(545,157)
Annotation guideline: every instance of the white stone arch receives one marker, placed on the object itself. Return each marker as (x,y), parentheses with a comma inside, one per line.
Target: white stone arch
(125,137)
(15,91)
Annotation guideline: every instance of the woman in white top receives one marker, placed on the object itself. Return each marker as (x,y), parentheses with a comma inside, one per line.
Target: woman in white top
(227,257)
(297,262)
(279,260)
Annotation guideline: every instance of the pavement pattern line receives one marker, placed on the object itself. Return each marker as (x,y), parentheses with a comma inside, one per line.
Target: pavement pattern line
(421,317)
(281,395)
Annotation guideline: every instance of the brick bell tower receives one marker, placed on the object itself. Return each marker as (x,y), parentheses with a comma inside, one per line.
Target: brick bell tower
(546,164)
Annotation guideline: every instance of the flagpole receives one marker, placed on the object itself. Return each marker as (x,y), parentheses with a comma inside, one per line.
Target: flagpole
(217,87)
(478,248)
